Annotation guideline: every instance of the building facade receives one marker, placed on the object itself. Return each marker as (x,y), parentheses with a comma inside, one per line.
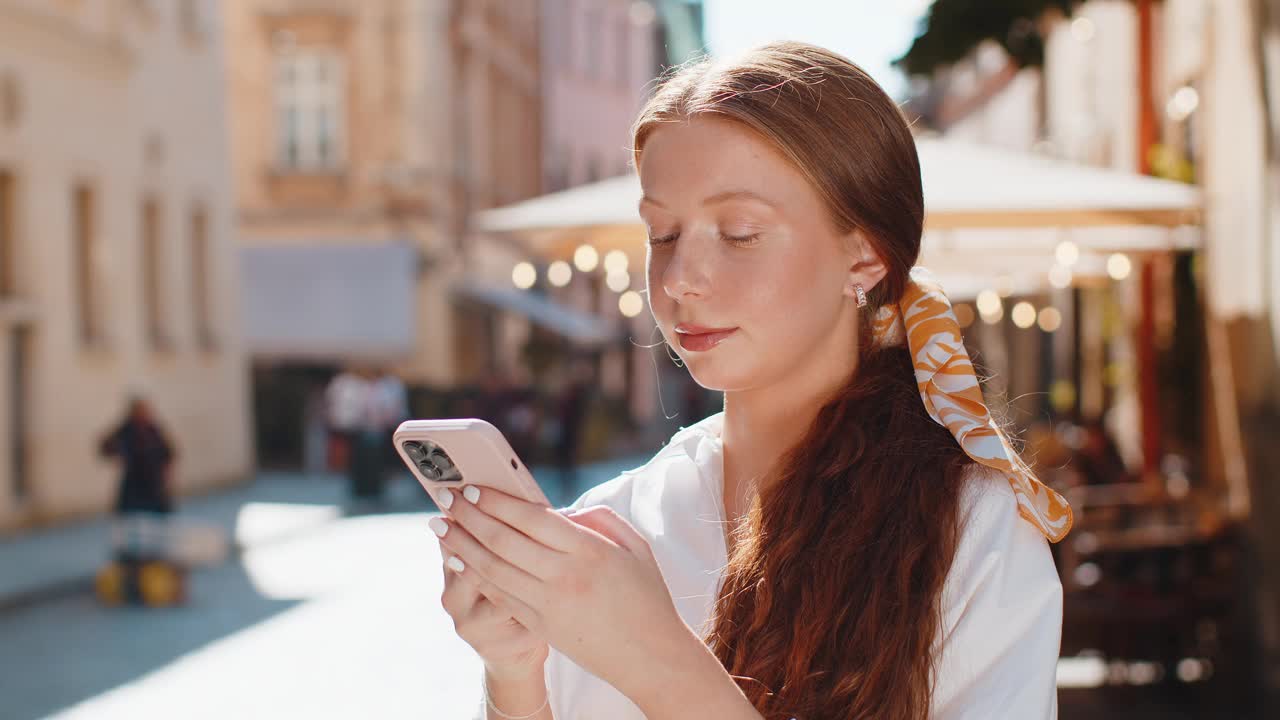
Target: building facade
(364,136)
(116,249)
(600,60)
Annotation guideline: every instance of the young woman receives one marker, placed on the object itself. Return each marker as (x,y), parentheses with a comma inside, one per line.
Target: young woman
(852,537)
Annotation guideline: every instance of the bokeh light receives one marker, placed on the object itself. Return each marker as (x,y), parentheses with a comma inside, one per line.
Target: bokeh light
(1050,319)
(1119,266)
(524,275)
(1066,253)
(585,258)
(1023,314)
(615,261)
(1060,276)
(559,273)
(630,304)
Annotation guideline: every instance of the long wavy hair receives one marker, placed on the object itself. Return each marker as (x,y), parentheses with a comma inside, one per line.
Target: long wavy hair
(831,600)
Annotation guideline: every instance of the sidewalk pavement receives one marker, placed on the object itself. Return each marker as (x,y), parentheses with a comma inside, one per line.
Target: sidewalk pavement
(48,563)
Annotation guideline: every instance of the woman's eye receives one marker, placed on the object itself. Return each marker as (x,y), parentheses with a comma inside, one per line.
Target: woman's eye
(741,239)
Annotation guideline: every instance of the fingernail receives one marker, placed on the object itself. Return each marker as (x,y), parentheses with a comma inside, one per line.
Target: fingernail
(445,498)
(471,493)
(438,526)
(454,564)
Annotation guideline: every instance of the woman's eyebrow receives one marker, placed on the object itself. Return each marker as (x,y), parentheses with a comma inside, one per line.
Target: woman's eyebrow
(728,195)
(719,197)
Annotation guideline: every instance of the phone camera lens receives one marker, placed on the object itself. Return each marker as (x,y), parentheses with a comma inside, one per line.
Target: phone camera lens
(432,461)
(441,460)
(416,451)
(429,470)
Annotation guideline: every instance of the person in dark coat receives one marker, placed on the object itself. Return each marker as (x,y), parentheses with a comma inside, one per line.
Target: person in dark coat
(144,498)
(145,456)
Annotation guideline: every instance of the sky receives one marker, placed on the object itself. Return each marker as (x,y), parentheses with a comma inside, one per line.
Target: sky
(869,32)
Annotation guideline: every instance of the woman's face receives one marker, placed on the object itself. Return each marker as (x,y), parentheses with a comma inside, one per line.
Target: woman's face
(740,241)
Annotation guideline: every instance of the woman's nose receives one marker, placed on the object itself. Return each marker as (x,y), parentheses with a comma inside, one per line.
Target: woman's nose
(685,274)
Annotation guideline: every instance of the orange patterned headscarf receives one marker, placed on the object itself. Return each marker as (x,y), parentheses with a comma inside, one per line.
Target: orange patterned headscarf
(951,394)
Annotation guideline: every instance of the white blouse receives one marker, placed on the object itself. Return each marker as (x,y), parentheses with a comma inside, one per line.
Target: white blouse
(1002,599)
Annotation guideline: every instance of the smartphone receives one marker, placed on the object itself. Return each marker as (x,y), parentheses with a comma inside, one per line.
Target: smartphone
(451,453)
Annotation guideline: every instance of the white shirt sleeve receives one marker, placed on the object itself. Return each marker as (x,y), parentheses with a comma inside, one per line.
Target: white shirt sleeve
(1002,614)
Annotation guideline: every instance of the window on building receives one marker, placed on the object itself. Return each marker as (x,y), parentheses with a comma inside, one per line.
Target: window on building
(194,18)
(201,284)
(84,241)
(590,43)
(7,230)
(19,341)
(19,347)
(152,290)
(562,34)
(624,52)
(309,109)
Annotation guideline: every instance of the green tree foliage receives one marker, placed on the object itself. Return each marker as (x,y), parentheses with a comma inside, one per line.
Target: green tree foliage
(952,28)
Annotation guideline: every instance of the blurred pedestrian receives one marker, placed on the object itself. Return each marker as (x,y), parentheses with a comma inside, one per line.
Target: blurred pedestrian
(144,497)
(391,401)
(356,411)
(572,405)
(342,412)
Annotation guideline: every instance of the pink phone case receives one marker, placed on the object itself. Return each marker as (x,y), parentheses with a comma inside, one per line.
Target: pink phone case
(477,453)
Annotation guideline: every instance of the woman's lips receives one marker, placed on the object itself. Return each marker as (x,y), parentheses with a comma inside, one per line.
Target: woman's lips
(701,342)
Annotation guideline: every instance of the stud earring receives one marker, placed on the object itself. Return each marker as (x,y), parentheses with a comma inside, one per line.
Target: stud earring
(862,295)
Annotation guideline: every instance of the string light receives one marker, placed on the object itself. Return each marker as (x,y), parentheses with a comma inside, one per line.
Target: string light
(1066,253)
(524,275)
(618,281)
(989,306)
(1023,314)
(630,303)
(615,261)
(1060,277)
(585,258)
(559,273)
(1050,319)
(1119,266)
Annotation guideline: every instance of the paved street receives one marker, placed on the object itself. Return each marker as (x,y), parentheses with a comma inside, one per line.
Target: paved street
(341,622)
(338,619)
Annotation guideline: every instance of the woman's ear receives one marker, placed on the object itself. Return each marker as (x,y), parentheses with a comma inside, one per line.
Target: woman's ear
(866,268)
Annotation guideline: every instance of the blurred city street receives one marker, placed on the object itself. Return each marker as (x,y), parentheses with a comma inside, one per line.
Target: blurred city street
(337,617)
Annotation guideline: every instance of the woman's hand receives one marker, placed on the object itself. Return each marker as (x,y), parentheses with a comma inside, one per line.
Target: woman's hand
(506,647)
(587,583)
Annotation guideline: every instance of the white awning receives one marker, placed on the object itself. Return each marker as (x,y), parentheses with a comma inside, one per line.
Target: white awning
(973,186)
(966,186)
(580,327)
(329,301)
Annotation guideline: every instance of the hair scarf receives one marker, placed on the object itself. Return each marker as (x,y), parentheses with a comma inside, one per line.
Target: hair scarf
(951,393)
